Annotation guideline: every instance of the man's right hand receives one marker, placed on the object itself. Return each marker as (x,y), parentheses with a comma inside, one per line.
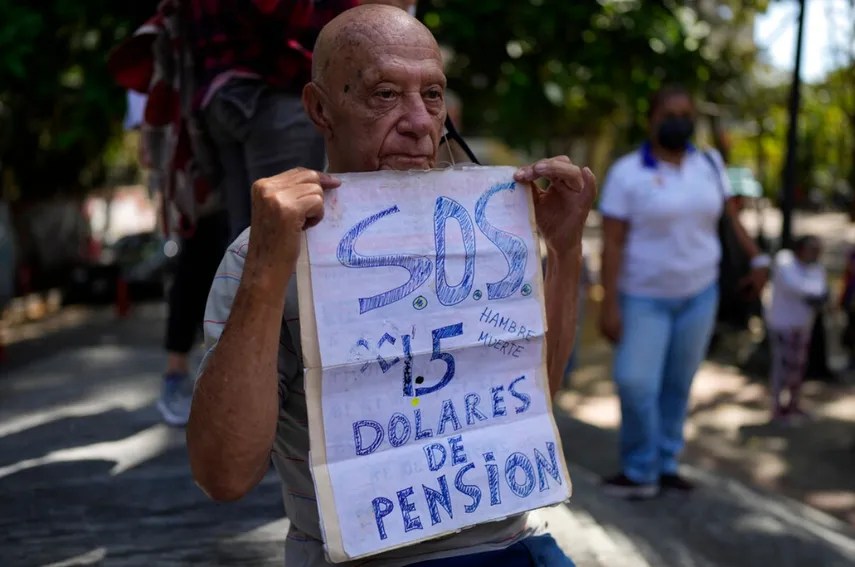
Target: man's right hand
(282,207)
(611,325)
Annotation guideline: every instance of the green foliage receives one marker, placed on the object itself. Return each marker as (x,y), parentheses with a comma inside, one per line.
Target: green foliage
(538,74)
(826,136)
(61,108)
(550,71)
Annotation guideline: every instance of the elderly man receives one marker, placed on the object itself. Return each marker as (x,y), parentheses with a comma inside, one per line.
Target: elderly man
(376,95)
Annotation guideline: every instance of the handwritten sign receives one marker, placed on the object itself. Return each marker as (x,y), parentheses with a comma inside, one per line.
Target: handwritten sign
(422,315)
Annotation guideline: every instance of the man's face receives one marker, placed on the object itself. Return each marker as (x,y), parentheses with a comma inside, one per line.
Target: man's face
(386,107)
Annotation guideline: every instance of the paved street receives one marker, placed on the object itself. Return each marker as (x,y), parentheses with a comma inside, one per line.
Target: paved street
(88,477)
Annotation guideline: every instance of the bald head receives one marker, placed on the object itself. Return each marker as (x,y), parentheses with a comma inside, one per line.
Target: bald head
(377,90)
(359,31)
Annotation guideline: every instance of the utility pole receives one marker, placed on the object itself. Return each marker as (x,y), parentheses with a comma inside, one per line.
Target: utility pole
(788,189)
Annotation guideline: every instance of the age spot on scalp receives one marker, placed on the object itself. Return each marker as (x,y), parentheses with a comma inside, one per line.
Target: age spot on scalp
(346,88)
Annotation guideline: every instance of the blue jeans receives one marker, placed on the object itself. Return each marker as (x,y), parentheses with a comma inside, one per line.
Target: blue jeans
(258,132)
(534,551)
(664,342)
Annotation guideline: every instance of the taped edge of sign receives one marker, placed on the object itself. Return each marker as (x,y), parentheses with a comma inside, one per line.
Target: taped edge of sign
(308,325)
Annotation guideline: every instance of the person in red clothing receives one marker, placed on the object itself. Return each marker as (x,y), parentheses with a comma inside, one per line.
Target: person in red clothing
(153,64)
(252,59)
(223,80)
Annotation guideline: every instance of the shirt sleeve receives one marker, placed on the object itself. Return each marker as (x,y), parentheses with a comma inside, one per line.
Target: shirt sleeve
(222,295)
(614,202)
(801,282)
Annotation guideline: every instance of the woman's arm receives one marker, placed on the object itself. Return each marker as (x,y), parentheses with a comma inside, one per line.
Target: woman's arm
(614,240)
(760,262)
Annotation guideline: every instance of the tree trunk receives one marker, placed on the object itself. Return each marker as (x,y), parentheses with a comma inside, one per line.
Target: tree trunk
(762,158)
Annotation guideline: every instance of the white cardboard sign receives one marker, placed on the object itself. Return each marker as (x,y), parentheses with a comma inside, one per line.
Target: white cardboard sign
(422,322)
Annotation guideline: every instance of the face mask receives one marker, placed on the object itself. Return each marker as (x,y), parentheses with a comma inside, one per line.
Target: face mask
(411,10)
(674,133)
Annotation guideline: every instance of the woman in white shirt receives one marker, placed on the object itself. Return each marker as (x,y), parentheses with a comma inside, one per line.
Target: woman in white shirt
(799,290)
(661,205)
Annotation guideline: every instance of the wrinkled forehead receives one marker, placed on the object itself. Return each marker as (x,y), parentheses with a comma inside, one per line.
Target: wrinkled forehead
(356,46)
(399,63)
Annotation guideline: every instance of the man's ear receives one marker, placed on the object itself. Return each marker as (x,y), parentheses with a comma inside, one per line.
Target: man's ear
(314,102)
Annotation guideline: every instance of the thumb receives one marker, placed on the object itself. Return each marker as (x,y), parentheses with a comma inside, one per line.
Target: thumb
(327,181)
(588,176)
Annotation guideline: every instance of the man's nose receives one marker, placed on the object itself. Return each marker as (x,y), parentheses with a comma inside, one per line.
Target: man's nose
(416,120)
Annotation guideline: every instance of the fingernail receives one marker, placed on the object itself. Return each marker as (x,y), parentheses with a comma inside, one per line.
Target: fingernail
(540,168)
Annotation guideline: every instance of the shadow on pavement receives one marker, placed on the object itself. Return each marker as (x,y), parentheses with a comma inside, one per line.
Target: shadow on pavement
(727,427)
(81,327)
(720,523)
(152,514)
(88,475)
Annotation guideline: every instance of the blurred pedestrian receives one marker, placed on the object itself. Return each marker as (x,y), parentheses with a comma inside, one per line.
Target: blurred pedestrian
(799,291)
(224,80)
(154,65)
(661,207)
(847,305)
(253,59)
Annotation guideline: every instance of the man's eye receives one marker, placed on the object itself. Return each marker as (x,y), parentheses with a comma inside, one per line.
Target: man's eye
(386,94)
(434,94)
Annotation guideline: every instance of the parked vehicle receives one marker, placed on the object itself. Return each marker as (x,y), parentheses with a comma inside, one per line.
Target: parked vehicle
(743,183)
(8,265)
(144,261)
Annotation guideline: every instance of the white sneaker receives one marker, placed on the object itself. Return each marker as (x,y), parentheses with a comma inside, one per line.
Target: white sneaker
(175,399)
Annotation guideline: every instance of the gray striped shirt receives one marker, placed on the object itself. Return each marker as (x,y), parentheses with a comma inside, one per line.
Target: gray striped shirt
(304,547)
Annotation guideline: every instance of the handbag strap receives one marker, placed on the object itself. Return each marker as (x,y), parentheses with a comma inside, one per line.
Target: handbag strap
(718,173)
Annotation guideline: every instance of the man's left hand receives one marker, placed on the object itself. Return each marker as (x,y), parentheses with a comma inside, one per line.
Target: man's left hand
(562,209)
